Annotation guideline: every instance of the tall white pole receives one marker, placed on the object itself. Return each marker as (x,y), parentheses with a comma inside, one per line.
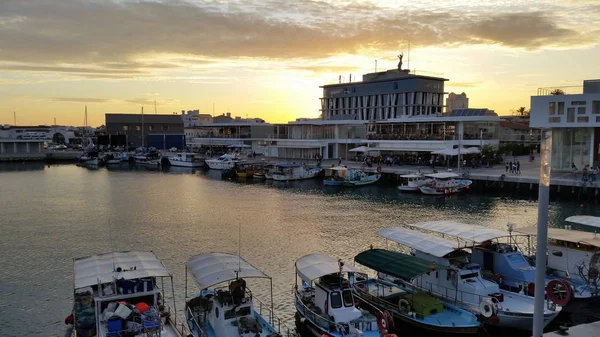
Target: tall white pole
(542,233)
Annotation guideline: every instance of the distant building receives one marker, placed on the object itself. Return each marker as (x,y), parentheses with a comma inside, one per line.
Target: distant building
(456,101)
(193,118)
(573,115)
(55,134)
(137,127)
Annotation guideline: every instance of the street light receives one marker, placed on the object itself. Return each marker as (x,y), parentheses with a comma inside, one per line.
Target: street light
(542,232)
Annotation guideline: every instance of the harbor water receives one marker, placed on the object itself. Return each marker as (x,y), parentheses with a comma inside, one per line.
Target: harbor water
(52,214)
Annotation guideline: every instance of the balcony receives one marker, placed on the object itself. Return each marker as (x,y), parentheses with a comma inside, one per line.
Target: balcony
(560,90)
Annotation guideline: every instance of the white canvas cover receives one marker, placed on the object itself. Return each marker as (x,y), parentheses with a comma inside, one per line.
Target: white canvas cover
(425,243)
(475,233)
(565,235)
(209,269)
(102,267)
(313,266)
(442,175)
(588,220)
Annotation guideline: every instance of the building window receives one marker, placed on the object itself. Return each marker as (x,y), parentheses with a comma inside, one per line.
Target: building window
(554,120)
(552,108)
(138,128)
(597,119)
(561,108)
(581,110)
(577,102)
(165,127)
(583,119)
(596,107)
(150,127)
(570,115)
(125,127)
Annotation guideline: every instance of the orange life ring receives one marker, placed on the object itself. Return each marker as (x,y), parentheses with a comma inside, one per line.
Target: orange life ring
(559,292)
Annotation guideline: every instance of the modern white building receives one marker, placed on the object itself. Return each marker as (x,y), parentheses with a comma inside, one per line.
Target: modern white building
(389,112)
(55,133)
(193,118)
(573,114)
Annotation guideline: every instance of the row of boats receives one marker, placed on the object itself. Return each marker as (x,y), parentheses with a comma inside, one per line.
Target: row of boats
(456,279)
(443,183)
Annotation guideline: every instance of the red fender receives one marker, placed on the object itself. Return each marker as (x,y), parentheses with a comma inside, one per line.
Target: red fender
(559,292)
(531,289)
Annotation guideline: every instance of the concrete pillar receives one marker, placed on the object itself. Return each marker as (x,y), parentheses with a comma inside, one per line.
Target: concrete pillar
(14,147)
(592,147)
(27,146)
(2,147)
(40,147)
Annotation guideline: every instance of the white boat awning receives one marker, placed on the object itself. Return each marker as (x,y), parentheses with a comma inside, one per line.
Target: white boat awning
(443,175)
(588,220)
(565,235)
(313,266)
(103,267)
(213,268)
(422,242)
(475,233)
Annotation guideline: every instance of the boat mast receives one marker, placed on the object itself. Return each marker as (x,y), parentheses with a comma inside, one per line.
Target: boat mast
(142,126)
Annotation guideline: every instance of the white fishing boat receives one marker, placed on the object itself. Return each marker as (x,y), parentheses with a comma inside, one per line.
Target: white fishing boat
(186,159)
(224,162)
(117,294)
(359,178)
(445,183)
(287,172)
(150,157)
(112,158)
(225,307)
(326,305)
(459,281)
(412,182)
(574,256)
(335,176)
(269,170)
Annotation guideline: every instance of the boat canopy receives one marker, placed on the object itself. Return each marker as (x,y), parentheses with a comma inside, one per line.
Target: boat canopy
(313,266)
(475,233)
(443,175)
(209,269)
(425,243)
(102,268)
(395,264)
(412,175)
(565,235)
(588,220)
(338,168)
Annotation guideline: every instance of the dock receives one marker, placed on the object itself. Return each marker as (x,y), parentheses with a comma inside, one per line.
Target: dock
(583,330)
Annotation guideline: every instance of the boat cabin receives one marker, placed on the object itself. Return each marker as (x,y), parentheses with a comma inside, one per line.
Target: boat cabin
(116,294)
(225,306)
(443,179)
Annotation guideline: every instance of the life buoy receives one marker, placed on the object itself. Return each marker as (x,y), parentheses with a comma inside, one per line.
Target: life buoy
(385,322)
(403,306)
(531,289)
(559,292)
(487,308)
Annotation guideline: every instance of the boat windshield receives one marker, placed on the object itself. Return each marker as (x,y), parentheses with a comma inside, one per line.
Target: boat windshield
(347,296)
(470,275)
(336,300)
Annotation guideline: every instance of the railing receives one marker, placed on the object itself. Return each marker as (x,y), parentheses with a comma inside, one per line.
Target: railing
(564,90)
(273,319)
(196,327)
(322,321)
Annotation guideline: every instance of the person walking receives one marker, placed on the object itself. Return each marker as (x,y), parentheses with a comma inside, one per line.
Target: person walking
(518,167)
(594,172)
(339,161)
(510,166)
(574,171)
(506,167)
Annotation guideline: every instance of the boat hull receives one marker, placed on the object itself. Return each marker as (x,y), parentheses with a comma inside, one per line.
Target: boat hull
(368,181)
(408,189)
(282,177)
(462,186)
(182,163)
(332,182)
(219,165)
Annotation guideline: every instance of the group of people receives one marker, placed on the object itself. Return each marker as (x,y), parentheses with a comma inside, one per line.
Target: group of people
(513,167)
(587,174)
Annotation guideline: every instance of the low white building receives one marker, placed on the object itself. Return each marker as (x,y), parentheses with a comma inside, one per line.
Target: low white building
(56,134)
(573,114)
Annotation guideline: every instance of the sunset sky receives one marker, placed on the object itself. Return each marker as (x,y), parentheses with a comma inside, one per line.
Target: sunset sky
(267,58)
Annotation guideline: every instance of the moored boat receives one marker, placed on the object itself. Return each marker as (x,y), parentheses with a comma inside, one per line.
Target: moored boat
(412,182)
(325,304)
(407,303)
(459,281)
(116,294)
(186,159)
(359,178)
(249,170)
(445,183)
(112,159)
(287,172)
(225,307)
(224,162)
(149,156)
(335,176)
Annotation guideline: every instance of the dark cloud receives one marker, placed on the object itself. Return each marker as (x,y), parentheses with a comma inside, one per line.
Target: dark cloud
(109,38)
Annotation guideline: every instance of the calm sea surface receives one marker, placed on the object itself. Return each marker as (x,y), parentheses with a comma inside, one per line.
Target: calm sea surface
(52,214)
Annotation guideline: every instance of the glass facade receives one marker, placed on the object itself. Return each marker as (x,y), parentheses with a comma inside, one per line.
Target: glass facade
(571,146)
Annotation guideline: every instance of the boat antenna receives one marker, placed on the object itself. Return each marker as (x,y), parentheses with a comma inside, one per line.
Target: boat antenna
(239,248)
(156,113)
(408,58)
(14,118)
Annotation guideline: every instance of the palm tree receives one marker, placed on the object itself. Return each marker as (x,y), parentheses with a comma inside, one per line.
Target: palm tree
(557,92)
(522,111)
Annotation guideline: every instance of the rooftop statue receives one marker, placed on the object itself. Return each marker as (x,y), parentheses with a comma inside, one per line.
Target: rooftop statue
(400,63)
